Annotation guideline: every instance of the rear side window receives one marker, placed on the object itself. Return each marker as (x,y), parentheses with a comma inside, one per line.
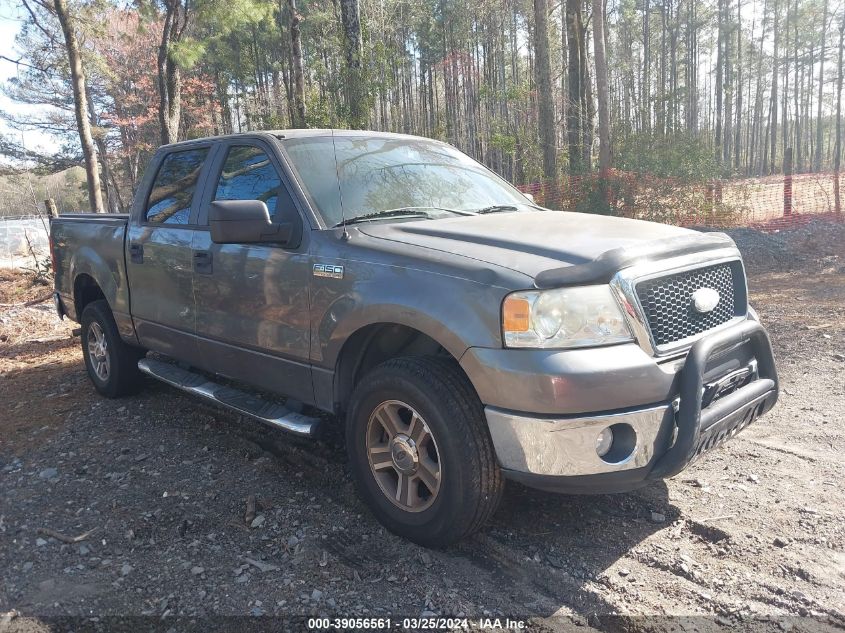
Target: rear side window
(174,187)
(248,174)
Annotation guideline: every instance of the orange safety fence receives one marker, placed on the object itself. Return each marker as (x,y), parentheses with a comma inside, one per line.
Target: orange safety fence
(766,203)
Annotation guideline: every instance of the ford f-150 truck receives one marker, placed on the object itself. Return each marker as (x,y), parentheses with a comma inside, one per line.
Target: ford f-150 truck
(462,334)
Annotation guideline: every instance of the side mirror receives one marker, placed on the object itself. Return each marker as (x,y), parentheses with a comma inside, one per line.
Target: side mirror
(248,222)
(530,197)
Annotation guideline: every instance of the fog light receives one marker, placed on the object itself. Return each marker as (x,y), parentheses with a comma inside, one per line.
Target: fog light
(604,441)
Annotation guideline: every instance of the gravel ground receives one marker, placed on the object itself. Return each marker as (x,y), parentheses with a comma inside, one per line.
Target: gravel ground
(161,486)
(813,246)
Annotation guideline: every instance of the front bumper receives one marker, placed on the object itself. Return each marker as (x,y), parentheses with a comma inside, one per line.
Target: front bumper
(658,441)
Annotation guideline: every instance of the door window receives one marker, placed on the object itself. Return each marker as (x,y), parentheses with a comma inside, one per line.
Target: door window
(248,174)
(173,190)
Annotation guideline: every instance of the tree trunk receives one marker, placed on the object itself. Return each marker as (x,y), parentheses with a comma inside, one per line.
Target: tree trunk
(837,152)
(52,209)
(809,96)
(720,65)
(80,102)
(114,201)
(661,97)
(354,80)
(674,103)
(169,74)
(754,164)
(564,51)
(546,106)
(784,100)
(738,125)
(774,106)
(727,132)
(298,73)
(574,114)
(691,73)
(798,83)
(601,87)
(645,89)
(817,158)
(587,108)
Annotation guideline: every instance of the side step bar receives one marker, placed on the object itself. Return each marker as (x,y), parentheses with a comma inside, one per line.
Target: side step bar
(270,413)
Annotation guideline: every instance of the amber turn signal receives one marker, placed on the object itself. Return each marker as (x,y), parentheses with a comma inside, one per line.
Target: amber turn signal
(516,314)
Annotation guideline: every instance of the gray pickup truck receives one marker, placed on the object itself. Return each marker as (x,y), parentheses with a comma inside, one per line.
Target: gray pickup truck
(462,334)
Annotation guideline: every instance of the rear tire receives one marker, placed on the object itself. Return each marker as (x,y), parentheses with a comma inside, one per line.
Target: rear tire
(112,364)
(420,451)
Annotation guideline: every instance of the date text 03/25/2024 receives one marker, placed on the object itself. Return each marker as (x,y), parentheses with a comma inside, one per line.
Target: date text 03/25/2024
(416,624)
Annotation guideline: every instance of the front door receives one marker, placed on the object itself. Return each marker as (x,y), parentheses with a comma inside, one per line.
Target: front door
(252,300)
(158,252)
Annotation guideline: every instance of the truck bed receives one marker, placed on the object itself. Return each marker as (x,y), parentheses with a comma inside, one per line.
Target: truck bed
(96,217)
(90,245)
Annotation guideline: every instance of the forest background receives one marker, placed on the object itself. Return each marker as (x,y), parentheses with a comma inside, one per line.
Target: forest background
(635,107)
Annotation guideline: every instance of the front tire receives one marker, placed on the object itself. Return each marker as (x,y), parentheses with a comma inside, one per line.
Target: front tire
(420,451)
(112,364)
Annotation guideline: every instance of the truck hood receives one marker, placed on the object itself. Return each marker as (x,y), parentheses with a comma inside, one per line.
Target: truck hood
(545,241)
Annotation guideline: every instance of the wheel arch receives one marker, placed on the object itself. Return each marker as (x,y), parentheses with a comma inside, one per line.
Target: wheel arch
(372,345)
(86,290)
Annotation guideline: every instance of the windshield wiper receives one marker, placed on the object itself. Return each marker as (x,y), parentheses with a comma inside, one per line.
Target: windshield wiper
(398,214)
(383,215)
(497,208)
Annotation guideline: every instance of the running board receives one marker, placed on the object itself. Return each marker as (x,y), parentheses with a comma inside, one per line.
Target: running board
(270,413)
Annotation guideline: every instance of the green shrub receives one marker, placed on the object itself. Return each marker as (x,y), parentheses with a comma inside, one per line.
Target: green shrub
(679,156)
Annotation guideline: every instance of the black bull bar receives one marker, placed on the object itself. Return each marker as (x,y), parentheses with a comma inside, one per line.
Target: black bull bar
(699,429)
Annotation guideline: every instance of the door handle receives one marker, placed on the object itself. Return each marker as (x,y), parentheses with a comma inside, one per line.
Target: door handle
(202,262)
(136,253)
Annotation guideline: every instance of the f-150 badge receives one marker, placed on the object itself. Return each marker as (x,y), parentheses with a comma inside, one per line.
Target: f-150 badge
(328,270)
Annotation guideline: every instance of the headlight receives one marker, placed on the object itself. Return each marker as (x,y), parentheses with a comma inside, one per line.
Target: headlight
(567,317)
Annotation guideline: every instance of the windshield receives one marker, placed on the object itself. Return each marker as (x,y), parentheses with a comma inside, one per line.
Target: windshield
(384,174)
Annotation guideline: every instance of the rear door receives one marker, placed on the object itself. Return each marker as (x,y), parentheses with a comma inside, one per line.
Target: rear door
(252,300)
(158,250)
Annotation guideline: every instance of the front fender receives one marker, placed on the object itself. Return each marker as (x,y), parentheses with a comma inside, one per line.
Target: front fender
(456,312)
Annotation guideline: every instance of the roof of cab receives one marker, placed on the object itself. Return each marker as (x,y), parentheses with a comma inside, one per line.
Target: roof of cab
(299,133)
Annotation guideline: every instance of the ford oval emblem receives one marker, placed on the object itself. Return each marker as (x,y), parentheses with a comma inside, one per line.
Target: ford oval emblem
(704,300)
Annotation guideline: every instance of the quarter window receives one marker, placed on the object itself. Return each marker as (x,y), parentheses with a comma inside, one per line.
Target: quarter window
(173,190)
(248,174)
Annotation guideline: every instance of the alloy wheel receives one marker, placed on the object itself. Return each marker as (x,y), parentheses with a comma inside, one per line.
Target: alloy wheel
(98,351)
(403,456)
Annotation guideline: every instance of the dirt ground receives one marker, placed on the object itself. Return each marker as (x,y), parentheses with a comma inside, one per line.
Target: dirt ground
(754,529)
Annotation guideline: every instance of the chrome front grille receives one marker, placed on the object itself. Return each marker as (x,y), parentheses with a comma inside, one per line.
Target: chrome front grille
(667,302)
